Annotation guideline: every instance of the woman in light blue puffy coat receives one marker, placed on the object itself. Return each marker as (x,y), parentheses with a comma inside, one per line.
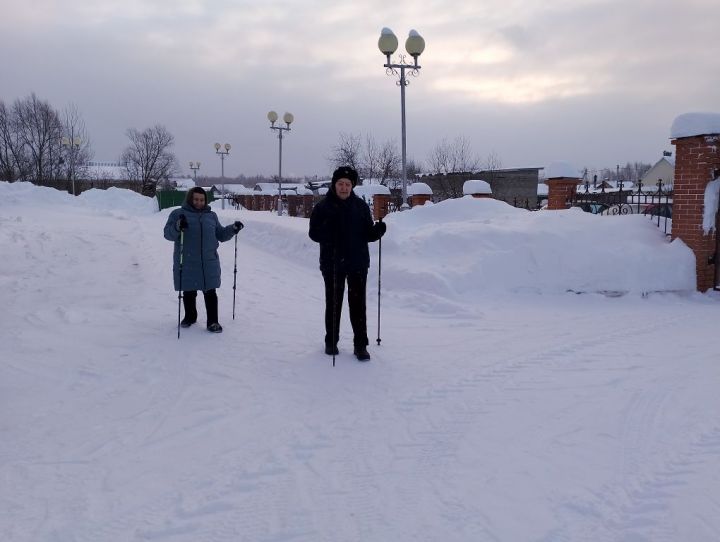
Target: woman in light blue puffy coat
(202,234)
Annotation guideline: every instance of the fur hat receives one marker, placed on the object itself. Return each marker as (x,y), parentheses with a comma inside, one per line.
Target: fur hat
(345,172)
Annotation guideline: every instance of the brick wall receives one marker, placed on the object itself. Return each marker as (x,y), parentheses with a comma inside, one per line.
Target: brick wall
(696,159)
(560,191)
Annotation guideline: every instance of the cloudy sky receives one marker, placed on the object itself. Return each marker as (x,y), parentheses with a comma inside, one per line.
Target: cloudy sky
(593,82)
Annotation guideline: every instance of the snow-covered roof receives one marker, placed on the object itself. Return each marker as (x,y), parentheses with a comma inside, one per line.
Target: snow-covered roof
(272,188)
(183,183)
(561,169)
(476,186)
(238,189)
(419,189)
(694,124)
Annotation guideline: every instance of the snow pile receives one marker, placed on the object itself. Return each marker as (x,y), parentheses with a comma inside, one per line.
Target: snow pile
(469,246)
(694,124)
(561,169)
(115,201)
(476,186)
(419,189)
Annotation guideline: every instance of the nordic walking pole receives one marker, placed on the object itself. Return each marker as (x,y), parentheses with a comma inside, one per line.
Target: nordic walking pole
(235,277)
(334,324)
(182,242)
(379,283)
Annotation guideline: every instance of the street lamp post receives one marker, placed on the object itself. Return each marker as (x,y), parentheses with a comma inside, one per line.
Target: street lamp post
(195,166)
(414,46)
(72,143)
(222,166)
(287,118)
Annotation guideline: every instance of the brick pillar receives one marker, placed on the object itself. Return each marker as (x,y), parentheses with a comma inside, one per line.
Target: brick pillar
(696,159)
(293,200)
(380,205)
(560,190)
(307,204)
(419,199)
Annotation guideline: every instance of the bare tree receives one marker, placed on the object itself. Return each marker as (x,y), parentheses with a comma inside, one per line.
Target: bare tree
(347,152)
(39,132)
(371,166)
(75,158)
(440,160)
(13,163)
(492,165)
(390,162)
(455,157)
(148,158)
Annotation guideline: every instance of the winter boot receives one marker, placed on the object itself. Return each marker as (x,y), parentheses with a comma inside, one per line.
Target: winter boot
(211,306)
(190,309)
(361,353)
(331,350)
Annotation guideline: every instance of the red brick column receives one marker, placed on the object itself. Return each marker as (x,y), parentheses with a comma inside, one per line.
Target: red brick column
(419,199)
(560,190)
(696,159)
(307,204)
(380,205)
(293,201)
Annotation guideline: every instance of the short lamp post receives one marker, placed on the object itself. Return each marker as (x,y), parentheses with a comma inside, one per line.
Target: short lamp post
(222,154)
(414,45)
(288,119)
(71,143)
(195,166)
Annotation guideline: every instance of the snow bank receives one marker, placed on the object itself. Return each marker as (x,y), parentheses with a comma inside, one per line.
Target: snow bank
(468,246)
(113,200)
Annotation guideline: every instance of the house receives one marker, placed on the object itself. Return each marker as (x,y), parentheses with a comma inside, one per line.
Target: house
(663,170)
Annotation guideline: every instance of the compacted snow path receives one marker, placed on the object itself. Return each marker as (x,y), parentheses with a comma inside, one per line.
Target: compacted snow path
(501,417)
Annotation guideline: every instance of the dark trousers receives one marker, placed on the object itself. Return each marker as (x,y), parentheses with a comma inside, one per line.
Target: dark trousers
(335,290)
(211,305)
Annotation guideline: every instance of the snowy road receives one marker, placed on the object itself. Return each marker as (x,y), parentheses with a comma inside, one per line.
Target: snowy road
(515,417)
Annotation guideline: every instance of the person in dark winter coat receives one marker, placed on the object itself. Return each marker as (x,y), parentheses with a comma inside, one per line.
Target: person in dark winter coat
(342,224)
(202,234)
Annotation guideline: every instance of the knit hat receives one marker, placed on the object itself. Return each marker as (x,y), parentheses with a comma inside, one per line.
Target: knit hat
(345,172)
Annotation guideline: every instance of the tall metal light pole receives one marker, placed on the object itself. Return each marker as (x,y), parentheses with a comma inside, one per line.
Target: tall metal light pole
(414,46)
(195,166)
(72,143)
(287,118)
(222,166)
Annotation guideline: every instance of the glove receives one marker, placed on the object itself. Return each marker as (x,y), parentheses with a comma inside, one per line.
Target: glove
(381,228)
(238,226)
(182,223)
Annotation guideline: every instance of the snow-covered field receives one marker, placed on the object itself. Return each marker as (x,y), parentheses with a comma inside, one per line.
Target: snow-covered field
(510,400)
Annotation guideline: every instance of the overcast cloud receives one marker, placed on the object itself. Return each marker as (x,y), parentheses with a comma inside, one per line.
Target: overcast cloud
(594,82)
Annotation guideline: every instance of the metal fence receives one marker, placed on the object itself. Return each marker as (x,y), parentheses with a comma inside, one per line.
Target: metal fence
(655,203)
